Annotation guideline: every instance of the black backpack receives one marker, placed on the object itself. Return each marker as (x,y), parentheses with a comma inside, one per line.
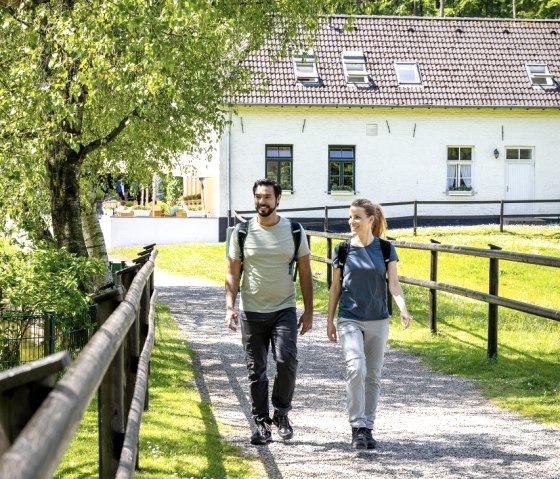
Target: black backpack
(344,248)
(243,229)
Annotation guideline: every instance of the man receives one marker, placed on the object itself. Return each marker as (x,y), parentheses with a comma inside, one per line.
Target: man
(268,301)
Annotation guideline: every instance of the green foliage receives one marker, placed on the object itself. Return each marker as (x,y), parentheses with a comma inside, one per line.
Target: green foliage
(48,279)
(173,188)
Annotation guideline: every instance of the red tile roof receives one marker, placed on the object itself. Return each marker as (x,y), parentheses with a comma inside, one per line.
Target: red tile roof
(463,62)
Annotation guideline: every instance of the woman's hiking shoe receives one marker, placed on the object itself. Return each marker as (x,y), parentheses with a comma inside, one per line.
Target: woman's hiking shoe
(263,434)
(371,442)
(285,430)
(359,440)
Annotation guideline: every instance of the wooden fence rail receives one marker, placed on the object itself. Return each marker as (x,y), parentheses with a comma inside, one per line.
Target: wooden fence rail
(108,363)
(494,254)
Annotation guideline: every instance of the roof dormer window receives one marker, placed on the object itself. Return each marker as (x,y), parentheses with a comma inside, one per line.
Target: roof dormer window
(305,67)
(408,73)
(354,65)
(540,75)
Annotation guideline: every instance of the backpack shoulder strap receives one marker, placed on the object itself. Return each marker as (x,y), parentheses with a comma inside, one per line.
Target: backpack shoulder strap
(242,232)
(296,235)
(342,255)
(385,250)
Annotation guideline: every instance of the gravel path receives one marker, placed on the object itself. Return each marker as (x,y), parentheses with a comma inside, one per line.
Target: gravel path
(429,425)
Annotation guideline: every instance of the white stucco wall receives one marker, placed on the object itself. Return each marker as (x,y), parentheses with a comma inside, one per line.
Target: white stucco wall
(129,231)
(406,161)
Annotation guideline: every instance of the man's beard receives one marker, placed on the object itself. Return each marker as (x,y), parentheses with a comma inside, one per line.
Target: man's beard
(266,212)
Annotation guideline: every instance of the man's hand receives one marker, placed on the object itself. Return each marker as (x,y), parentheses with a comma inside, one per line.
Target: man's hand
(305,323)
(331,332)
(231,319)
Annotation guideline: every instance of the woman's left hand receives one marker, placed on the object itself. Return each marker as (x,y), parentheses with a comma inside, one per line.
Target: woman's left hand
(405,319)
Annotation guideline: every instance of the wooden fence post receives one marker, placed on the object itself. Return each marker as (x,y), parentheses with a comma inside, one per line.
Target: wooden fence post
(22,391)
(329,265)
(501,216)
(111,398)
(433,292)
(494,280)
(326,220)
(415,217)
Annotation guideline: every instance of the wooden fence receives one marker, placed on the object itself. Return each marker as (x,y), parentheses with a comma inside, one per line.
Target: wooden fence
(38,419)
(494,255)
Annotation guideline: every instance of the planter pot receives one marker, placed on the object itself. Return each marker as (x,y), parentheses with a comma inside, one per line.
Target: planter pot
(460,193)
(342,193)
(141,212)
(197,214)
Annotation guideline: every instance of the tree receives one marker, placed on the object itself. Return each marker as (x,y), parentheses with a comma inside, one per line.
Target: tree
(90,85)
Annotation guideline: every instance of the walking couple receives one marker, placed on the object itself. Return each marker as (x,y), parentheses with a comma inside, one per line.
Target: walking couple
(265,250)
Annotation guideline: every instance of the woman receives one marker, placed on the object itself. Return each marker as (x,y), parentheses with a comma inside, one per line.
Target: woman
(363,317)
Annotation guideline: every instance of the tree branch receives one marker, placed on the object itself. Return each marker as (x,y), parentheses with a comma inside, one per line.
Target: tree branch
(94,145)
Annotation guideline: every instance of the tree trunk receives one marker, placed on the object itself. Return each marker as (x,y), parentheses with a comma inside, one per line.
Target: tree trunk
(94,240)
(63,167)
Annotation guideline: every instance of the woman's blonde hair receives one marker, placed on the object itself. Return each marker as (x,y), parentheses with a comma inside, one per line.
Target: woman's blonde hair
(379,226)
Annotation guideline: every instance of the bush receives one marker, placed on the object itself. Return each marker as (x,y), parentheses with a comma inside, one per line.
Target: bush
(48,279)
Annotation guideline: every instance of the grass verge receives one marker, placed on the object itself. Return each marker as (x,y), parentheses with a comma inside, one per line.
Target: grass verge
(179,436)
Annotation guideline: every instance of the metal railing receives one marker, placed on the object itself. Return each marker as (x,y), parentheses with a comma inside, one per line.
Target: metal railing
(415,217)
(114,362)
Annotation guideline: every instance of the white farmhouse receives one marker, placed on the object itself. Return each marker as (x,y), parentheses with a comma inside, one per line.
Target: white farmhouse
(398,109)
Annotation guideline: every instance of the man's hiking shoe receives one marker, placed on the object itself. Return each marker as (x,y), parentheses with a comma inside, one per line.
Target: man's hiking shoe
(263,434)
(285,430)
(359,440)
(370,441)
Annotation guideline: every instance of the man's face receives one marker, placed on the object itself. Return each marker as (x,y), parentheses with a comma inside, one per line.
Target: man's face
(265,201)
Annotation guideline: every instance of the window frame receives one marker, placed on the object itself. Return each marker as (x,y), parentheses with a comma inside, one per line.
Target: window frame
(530,149)
(341,164)
(461,184)
(417,76)
(279,160)
(305,59)
(354,76)
(542,79)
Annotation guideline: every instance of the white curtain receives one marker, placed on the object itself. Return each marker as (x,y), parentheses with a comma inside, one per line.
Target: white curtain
(451,175)
(466,175)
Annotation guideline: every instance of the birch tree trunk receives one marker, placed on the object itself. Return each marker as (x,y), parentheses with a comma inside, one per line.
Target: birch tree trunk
(63,167)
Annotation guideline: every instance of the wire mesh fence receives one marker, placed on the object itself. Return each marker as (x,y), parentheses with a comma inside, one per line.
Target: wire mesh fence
(27,336)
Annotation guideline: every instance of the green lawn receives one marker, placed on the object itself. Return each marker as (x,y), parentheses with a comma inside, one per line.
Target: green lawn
(179,436)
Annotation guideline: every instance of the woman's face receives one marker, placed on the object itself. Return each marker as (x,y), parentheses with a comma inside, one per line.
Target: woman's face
(359,221)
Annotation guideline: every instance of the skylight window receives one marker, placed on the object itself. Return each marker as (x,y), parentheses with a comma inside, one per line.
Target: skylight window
(540,75)
(408,73)
(354,65)
(305,67)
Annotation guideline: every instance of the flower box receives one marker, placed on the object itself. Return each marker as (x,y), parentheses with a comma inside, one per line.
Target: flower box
(141,212)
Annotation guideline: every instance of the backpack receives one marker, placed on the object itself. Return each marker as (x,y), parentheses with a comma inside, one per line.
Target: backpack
(242,231)
(344,248)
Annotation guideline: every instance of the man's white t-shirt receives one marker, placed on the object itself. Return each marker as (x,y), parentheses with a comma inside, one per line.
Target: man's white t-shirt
(267,285)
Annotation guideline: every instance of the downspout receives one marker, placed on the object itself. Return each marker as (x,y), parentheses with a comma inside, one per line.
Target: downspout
(229,170)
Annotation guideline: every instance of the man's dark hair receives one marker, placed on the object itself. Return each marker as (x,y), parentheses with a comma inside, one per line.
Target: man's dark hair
(267,182)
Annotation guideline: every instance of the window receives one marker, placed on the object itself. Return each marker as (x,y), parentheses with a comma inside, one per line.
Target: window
(408,73)
(305,68)
(520,154)
(279,165)
(540,75)
(459,168)
(341,168)
(354,65)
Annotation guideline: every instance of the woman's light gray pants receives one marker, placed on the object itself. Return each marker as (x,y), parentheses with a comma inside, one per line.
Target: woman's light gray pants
(363,346)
